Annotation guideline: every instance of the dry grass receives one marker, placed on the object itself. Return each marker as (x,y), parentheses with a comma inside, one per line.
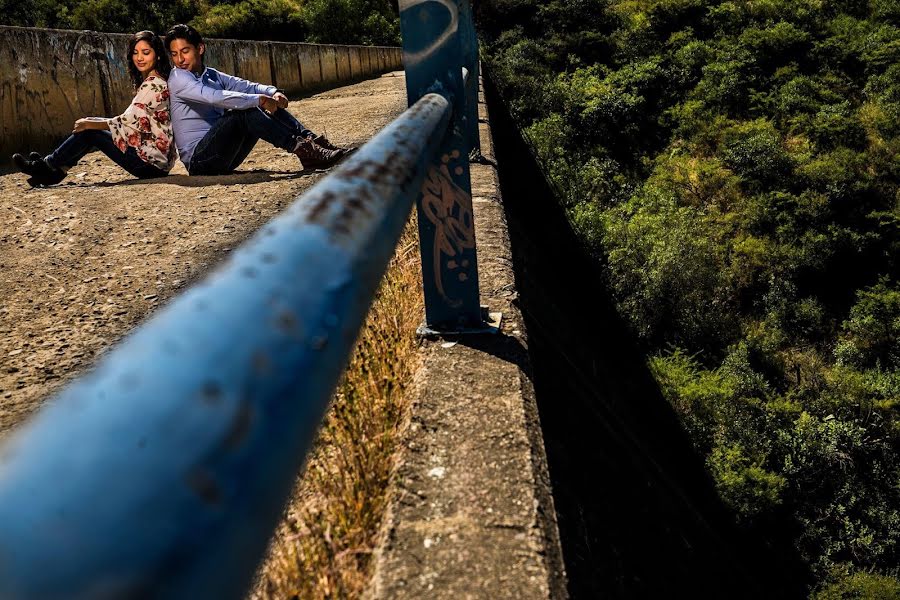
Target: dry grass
(323,547)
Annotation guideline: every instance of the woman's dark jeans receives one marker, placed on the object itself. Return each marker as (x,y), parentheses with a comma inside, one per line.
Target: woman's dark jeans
(78,144)
(233,136)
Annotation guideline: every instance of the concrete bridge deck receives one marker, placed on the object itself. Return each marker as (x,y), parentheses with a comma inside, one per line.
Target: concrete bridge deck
(83,262)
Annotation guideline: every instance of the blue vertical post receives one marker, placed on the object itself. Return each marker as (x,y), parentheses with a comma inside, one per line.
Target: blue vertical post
(469,42)
(433,57)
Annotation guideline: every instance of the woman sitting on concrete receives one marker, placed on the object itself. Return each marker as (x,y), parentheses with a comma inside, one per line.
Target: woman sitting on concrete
(139,140)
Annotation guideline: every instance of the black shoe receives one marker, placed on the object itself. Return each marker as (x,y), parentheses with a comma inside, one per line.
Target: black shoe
(35,156)
(25,165)
(43,174)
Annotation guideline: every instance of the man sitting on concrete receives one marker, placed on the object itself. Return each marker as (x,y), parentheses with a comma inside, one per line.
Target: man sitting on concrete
(218,118)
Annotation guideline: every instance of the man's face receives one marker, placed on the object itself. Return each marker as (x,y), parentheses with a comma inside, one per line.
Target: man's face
(186,55)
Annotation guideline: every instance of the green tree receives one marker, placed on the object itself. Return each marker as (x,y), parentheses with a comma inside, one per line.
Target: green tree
(128,17)
(351,21)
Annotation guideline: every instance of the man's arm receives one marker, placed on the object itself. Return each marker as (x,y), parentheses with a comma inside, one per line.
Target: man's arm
(184,85)
(236,84)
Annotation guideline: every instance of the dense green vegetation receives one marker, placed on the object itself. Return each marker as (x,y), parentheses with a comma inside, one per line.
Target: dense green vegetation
(321,21)
(735,166)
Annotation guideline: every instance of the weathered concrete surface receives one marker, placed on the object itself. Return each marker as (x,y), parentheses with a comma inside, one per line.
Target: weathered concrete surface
(47,81)
(372,58)
(310,66)
(342,57)
(470,511)
(364,61)
(355,54)
(328,62)
(286,64)
(253,62)
(222,55)
(50,78)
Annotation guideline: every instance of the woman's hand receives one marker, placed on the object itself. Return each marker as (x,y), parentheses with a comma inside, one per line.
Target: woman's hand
(90,123)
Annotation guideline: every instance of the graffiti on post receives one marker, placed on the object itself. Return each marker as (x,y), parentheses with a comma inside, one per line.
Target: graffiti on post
(449,208)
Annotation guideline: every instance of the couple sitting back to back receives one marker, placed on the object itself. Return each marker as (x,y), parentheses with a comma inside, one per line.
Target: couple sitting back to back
(215,119)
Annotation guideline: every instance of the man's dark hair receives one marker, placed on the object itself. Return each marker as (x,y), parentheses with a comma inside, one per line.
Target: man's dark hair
(184,32)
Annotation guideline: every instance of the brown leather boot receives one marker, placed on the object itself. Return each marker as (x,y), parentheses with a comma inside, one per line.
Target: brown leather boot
(321,140)
(314,156)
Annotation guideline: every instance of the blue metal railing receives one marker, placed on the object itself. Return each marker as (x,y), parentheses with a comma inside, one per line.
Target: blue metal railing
(163,472)
(435,33)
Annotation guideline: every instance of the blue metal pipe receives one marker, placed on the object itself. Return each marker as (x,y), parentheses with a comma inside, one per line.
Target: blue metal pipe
(163,472)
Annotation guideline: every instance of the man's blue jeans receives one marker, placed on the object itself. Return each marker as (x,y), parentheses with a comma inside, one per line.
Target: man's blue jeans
(78,144)
(231,139)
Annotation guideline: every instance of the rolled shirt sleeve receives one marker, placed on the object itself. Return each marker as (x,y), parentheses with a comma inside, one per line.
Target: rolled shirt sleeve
(188,87)
(236,84)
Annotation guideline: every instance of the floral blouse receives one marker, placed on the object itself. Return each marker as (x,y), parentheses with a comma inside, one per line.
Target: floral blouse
(146,126)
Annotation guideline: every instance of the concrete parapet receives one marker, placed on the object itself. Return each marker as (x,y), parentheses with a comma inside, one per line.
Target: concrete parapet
(253,62)
(222,55)
(114,71)
(310,66)
(50,78)
(328,61)
(356,67)
(364,62)
(286,65)
(470,510)
(342,57)
(368,63)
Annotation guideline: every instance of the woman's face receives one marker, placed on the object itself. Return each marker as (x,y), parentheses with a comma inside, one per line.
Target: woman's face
(144,57)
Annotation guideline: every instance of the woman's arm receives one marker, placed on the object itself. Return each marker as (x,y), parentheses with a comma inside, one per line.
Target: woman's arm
(90,123)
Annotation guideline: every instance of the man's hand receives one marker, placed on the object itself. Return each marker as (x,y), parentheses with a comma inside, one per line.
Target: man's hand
(281,99)
(268,104)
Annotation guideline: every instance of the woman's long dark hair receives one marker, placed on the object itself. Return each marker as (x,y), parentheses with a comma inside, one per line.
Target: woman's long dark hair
(163,66)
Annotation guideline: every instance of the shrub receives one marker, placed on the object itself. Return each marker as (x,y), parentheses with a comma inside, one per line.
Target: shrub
(871,335)
(743,484)
(254,19)
(754,150)
(838,125)
(862,585)
(351,21)
(667,271)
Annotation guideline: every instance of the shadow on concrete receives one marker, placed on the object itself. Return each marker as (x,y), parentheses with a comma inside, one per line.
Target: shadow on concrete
(191,181)
(638,514)
(238,177)
(504,347)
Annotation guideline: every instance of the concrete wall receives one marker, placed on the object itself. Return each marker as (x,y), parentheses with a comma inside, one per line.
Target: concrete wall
(470,508)
(49,78)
